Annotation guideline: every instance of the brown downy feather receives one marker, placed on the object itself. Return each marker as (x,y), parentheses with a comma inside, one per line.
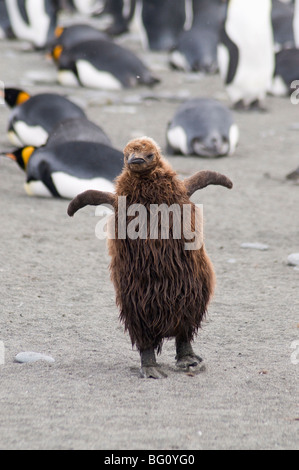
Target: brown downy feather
(162,289)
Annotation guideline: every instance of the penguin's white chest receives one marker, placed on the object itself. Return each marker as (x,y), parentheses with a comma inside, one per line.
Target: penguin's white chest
(37,29)
(89,77)
(178,139)
(248,25)
(68,186)
(28,135)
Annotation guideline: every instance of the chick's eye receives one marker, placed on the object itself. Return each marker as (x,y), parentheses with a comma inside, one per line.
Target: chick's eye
(150,156)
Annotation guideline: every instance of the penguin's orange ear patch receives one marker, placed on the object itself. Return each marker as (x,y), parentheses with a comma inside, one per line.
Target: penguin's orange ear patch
(26,154)
(57,51)
(22,97)
(58,31)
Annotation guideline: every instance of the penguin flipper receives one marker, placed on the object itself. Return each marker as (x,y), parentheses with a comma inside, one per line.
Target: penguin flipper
(46,178)
(90,198)
(203,178)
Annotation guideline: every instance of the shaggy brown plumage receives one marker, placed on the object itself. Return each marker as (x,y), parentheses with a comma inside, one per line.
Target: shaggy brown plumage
(162,289)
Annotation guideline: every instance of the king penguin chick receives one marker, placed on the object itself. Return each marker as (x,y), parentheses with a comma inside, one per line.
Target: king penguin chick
(101,64)
(34,117)
(246,52)
(33,21)
(162,287)
(63,170)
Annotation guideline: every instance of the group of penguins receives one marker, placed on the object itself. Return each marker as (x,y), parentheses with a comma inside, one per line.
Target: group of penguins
(252,44)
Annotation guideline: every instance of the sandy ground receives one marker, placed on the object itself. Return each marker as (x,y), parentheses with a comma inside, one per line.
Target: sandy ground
(57,298)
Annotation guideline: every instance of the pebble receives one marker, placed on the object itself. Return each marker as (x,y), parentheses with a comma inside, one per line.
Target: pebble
(29,356)
(293,259)
(255,246)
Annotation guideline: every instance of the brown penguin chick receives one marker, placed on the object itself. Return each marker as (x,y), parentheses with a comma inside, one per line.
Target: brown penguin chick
(163,287)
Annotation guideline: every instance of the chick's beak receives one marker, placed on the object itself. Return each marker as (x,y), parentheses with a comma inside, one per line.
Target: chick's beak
(135,159)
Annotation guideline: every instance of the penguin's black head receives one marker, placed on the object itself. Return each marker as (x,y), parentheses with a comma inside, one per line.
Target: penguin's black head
(21,156)
(15,97)
(142,155)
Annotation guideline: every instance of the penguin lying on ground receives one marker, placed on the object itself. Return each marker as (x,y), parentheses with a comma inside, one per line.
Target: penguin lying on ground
(33,21)
(64,170)
(203,127)
(246,52)
(78,129)
(197,47)
(162,288)
(34,117)
(101,64)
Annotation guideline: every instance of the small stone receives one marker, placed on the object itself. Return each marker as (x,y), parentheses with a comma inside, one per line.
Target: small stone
(293,259)
(255,246)
(231,260)
(30,356)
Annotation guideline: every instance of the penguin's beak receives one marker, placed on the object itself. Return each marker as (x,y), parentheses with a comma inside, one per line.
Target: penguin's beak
(135,159)
(9,155)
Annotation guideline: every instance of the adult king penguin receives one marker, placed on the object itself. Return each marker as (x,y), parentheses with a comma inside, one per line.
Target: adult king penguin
(64,169)
(33,118)
(33,20)
(246,52)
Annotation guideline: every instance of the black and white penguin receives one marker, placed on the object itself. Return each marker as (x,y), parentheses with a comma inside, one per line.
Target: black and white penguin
(78,129)
(246,52)
(204,127)
(286,72)
(34,117)
(160,23)
(197,47)
(33,21)
(101,64)
(63,170)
